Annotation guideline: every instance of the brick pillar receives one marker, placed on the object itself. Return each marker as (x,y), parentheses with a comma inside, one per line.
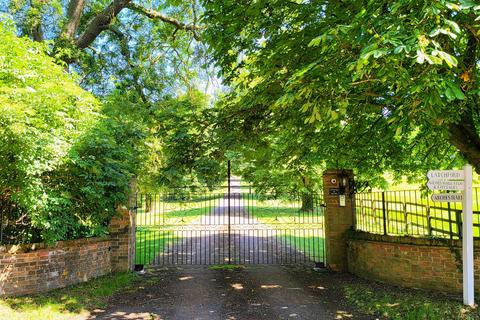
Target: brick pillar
(338,216)
(122,235)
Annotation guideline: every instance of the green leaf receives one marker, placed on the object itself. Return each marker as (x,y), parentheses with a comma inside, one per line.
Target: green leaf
(453,25)
(457,91)
(467,4)
(398,131)
(449,59)
(449,94)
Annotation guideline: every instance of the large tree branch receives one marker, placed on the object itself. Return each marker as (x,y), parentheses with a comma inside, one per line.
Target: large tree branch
(155,15)
(74,14)
(125,50)
(100,23)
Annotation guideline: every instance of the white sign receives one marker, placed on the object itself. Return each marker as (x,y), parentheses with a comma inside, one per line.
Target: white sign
(440,184)
(459,180)
(447,197)
(342,199)
(446,174)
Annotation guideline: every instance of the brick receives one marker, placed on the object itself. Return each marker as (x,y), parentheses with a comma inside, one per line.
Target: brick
(429,267)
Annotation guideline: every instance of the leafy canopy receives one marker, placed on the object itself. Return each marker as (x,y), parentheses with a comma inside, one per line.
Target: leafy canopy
(381,85)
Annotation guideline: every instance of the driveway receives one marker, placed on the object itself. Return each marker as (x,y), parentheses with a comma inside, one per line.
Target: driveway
(254,292)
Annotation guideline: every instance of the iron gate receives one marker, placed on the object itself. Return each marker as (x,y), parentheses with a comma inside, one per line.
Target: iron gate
(182,227)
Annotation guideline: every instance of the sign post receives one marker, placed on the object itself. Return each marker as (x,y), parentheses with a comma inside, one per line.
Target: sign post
(468,280)
(460,180)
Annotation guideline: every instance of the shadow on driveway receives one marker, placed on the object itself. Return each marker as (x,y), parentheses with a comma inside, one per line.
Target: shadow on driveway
(254,292)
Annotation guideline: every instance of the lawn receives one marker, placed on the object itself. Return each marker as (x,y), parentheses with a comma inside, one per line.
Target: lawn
(149,243)
(68,303)
(406,304)
(412,213)
(172,210)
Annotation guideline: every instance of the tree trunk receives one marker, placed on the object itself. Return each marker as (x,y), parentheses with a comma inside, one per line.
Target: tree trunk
(100,23)
(307,202)
(464,136)
(37,33)
(307,196)
(74,14)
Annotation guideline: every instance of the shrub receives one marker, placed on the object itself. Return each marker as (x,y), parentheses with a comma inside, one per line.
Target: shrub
(65,161)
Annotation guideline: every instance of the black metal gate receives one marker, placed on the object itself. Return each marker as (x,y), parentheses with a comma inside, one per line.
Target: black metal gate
(228,227)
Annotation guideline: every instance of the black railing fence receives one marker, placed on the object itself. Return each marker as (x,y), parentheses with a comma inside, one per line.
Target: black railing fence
(412,213)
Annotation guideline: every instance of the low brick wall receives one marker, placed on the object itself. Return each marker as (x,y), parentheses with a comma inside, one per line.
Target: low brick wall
(36,268)
(410,262)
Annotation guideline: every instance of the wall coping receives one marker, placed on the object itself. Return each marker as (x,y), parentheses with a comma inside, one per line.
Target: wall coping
(31,247)
(408,240)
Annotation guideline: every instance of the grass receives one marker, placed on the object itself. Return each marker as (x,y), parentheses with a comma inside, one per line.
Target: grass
(230,267)
(151,241)
(181,215)
(73,302)
(407,212)
(311,246)
(278,215)
(406,304)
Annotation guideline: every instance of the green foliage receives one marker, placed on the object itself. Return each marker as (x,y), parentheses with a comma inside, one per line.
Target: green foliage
(376,85)
(65,162)
(182,150)
(406,304)
(96,179)
(42,114)
(272,149)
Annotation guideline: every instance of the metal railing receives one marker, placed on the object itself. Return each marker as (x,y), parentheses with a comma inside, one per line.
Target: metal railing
(235,227)
(412,213)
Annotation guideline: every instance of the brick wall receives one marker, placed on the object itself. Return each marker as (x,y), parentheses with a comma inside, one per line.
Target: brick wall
(45,268)
(409,262)
(36,268)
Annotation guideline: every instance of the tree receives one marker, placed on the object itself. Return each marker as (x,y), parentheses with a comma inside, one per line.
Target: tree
(182,145)
(43,113)
(390,85)
(67,158)
(118,43)
(274,152)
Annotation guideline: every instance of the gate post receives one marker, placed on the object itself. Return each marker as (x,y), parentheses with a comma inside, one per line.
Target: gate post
(339,216)
(122,235)
(120,230)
